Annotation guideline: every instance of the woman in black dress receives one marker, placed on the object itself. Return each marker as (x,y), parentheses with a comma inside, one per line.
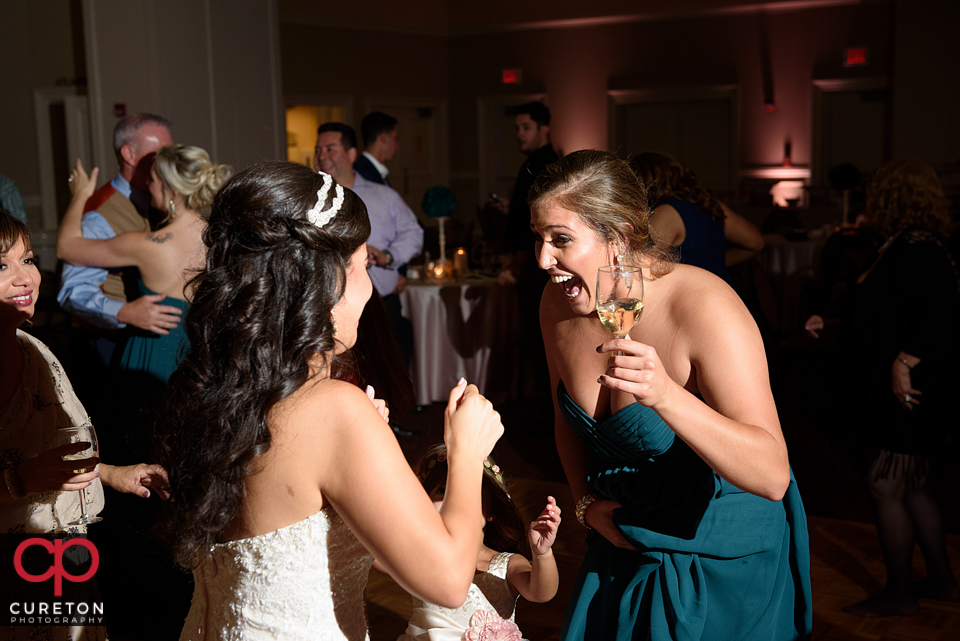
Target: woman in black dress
(901,330)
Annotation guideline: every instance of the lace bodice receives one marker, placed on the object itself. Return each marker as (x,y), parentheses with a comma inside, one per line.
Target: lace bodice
(489,596)
(303,581)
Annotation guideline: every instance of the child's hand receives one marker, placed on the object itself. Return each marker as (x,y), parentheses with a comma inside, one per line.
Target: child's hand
(543,531)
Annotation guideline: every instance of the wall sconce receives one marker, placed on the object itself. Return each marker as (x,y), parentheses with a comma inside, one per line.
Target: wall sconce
(787,193)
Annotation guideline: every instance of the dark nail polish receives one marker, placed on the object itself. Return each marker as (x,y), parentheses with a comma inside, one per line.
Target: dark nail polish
(600,380)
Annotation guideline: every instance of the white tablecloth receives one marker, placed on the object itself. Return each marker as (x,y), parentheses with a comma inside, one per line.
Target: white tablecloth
(467,330)
(790,264)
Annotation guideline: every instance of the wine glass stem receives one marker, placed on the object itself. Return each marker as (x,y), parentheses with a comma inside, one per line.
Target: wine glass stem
(83,506)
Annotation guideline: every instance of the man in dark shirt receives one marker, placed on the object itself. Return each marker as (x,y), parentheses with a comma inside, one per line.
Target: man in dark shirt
(533,138)
(380,139)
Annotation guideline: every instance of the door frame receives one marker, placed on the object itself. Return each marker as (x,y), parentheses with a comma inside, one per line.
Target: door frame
(818,170)
(342,100)
(486,140)
(79,143)
(441,144)
(621,97)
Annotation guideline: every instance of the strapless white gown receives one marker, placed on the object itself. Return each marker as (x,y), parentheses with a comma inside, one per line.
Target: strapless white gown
(304,581)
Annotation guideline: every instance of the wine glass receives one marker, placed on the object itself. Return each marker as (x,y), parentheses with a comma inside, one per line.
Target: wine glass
(84,434)
(619,297)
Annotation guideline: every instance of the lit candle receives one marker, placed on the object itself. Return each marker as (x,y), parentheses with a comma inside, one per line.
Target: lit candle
(460,261)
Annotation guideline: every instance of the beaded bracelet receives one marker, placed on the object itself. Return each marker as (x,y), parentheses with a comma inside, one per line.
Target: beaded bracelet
(904,361)
(581,509)
(14,483)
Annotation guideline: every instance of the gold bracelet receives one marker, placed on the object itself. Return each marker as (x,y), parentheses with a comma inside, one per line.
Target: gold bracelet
(14,483)
(581,510)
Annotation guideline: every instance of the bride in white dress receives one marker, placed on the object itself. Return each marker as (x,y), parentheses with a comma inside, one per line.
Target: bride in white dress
(287,479)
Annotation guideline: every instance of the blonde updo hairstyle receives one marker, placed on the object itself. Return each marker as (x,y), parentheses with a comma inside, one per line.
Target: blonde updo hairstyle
(188,171)
(606,195)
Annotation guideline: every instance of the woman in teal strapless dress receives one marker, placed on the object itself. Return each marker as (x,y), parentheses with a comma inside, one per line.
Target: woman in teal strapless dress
(183,182)
(670,441)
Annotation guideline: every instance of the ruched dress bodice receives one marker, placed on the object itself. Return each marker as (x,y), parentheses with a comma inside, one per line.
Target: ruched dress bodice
(302,582)
(711,561)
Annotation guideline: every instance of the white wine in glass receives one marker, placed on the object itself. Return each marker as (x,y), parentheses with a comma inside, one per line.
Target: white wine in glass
(84,434)
(619,297)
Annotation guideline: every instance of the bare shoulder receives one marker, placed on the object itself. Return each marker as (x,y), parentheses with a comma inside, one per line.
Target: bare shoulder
(695,297)
(699,312)
(327,426)
(336,398)
(323,410)
(717,333)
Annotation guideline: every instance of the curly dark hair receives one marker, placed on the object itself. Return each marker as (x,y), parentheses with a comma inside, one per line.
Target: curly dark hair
(506,531)
(666,177)
(260,314)
(607,196)
(907,193)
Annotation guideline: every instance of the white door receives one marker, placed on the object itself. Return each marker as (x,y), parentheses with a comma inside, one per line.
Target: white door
(851,130)
(500,159)
(698,133)
(63,136)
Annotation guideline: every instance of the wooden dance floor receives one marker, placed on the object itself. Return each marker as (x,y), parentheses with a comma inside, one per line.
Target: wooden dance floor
(846,567)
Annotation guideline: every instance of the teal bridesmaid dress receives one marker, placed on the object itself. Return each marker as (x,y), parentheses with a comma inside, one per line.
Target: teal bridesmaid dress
(152,354)
(712,562)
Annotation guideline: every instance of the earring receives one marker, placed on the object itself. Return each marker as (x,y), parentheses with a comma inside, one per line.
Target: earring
(172,208)
(333,321)
(621,259)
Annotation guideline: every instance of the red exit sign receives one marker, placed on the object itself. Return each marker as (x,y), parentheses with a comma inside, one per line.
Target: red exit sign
(511,76)
(855,57)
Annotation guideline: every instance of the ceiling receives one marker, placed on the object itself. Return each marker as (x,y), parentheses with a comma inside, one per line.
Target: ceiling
(454,17)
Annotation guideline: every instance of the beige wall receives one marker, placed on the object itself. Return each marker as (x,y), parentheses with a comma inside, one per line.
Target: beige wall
(219,69)
(37,50)
(422,16)
(578,52)
(576,66)
(324,60)
(926,114)
(211,67)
